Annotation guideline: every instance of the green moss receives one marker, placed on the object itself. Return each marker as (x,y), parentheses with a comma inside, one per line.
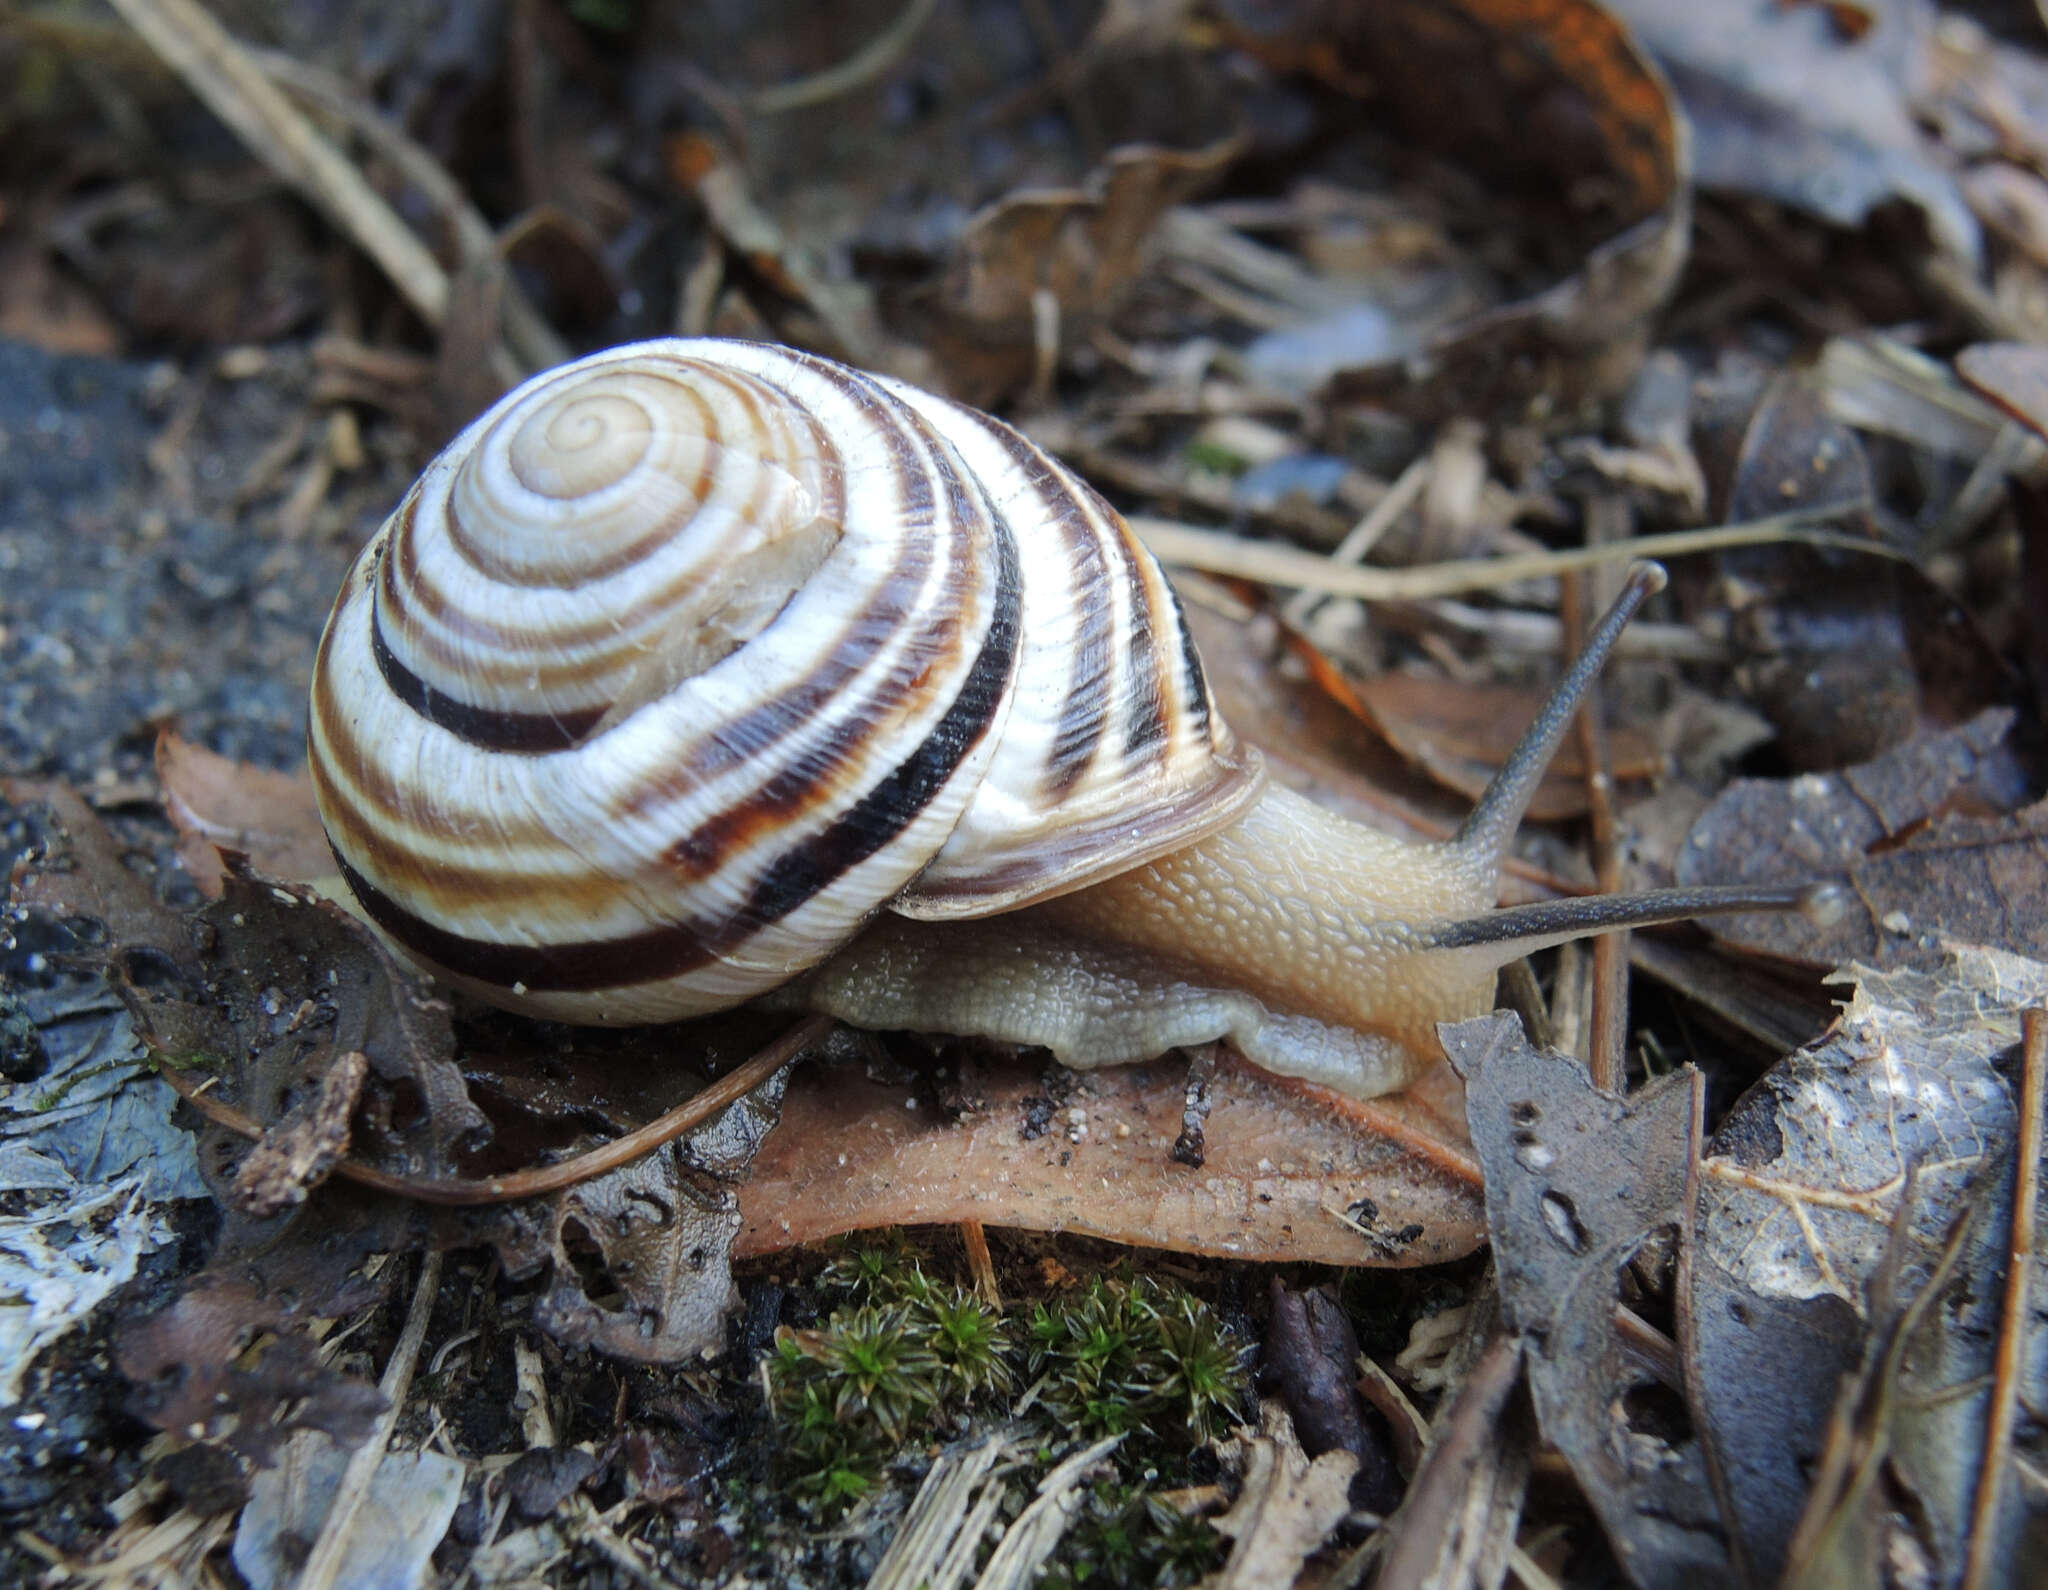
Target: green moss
(1129,1539)
(1127,1356)
(904,1357)
(1211,458)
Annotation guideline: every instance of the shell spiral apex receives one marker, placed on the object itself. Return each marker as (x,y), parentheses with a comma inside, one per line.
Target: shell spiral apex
(686,658)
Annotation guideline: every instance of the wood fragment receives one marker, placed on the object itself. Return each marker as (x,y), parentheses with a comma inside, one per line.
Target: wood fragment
(325,1560)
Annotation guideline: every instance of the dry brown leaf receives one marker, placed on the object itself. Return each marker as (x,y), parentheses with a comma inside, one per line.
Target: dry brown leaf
(1461,732)
(1291,1172)
(1073,251)
(218,804)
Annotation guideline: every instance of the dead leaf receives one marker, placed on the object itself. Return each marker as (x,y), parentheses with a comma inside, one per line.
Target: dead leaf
(1290,1172)
(1799,1196)
(1904,834)
(401,1520)
(82,874)
(1857,1524)
(1790,454)
(2015,377)
(1554,98)
(40,305)
(1786,107)
(1461,732)
(1577,1181)
(1310,1357)
(1075,252)
(640,1258)
(192,1363)
(706,169)
(219,804)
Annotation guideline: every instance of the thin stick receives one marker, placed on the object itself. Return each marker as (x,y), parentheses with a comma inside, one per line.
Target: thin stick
(1273,563)
(2012,1333)
(863,66)
(458,1191)
(220,72)
(1366,534)
(1607,1050)
(324,1563)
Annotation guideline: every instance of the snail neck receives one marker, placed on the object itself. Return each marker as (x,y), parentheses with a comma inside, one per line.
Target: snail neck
(1312,914)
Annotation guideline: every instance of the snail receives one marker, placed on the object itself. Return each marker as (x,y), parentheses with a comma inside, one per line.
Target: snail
(695,671)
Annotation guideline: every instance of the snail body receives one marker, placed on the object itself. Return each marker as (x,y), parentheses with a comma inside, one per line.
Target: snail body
(697,670)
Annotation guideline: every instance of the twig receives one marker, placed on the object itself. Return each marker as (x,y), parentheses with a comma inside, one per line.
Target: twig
(864,65)
(2019,1277)
(1030,1539)
(324,1561)
(1275,564)
(1687,1325)
(459,1191)
(1607,1044)
(531,338)
(1366,534)
(221,73)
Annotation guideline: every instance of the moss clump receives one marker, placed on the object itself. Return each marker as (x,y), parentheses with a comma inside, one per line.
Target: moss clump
(1130,1539)
(904,1359)
(1124,1357)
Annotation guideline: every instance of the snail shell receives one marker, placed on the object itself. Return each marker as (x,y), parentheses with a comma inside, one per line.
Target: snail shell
(687,658)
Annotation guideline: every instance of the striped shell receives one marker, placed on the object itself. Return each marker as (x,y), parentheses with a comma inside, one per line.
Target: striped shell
(686,658)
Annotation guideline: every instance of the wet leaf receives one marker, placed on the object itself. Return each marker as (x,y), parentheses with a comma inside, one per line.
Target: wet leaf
(1919,836)
(1577,1182)
(640,1258)
(1310,1358)
(1289,1172)
(192,1363)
